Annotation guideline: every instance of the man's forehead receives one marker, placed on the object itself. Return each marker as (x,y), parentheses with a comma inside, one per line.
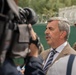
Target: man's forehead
(54,22)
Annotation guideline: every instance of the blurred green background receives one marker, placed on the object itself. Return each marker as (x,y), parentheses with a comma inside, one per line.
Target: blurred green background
(40,29)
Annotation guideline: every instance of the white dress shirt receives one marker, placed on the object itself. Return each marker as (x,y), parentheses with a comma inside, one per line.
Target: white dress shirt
(58,49)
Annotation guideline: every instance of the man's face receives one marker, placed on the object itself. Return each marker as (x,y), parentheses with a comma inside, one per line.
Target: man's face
(52,33)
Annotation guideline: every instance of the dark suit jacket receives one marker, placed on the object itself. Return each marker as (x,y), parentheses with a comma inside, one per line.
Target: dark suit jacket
(33,67)
(66,51)
(9,68)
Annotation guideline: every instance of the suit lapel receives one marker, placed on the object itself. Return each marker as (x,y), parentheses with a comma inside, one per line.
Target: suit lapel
(45,54)
(64,52)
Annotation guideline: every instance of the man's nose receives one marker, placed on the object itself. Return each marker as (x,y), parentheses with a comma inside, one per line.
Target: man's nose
(46,31)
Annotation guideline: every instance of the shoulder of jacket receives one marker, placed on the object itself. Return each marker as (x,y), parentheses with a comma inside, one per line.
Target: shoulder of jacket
(44,53)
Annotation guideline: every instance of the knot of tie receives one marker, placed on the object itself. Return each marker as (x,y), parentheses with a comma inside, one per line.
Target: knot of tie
(53,52)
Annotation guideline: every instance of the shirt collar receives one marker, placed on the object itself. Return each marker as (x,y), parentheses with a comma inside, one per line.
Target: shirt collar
(60,48)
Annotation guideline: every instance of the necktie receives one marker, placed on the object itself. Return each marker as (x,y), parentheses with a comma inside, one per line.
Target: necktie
(53,52)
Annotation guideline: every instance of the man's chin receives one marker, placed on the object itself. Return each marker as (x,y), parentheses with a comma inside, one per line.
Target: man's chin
(48,42)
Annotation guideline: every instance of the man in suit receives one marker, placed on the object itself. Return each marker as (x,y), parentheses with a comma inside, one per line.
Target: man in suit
(57,34)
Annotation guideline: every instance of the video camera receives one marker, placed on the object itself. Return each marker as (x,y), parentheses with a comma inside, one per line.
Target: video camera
(14,30)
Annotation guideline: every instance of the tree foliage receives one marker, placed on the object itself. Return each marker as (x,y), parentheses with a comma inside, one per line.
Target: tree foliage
(46,7)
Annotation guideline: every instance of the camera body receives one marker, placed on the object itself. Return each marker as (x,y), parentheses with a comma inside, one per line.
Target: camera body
(14,31)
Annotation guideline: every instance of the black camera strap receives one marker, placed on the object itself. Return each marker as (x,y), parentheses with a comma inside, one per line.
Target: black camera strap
(70,64)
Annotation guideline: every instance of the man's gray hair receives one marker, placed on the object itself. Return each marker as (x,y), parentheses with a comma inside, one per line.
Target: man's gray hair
(63,25)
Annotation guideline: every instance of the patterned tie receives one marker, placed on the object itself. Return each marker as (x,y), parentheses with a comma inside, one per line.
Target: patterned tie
(53,52)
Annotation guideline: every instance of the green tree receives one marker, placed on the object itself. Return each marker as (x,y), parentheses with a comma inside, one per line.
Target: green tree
(46,7)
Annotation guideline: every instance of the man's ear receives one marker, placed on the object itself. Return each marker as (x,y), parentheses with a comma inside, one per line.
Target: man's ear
(63,34)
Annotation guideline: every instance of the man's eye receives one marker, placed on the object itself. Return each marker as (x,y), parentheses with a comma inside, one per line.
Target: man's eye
(50,28)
